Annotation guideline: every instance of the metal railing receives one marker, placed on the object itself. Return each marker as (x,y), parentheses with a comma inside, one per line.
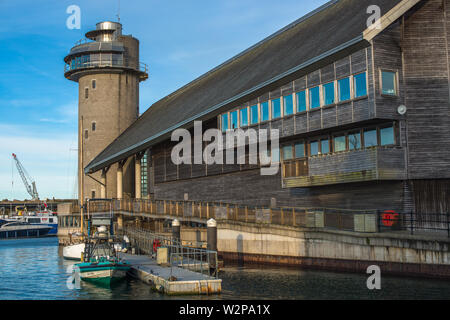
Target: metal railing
(319,218)
(143,67)
(413,223)
(195,259)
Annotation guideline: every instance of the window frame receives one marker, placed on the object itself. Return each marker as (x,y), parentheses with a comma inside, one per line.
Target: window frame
(297,101)
(339,135)
(325,104)
(272,106)
(349,78)
(310,97)
(355,87)
(261,113)
(396,82)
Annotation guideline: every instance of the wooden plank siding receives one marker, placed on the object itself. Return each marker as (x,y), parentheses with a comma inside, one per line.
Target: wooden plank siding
(416,48)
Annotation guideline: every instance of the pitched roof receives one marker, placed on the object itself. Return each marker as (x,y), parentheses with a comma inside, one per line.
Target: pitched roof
(329,29)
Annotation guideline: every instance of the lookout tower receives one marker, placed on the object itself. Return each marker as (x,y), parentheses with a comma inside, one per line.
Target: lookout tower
(107,68)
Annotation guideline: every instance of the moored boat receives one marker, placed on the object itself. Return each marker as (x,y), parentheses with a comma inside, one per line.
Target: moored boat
(16,229)
(104,270)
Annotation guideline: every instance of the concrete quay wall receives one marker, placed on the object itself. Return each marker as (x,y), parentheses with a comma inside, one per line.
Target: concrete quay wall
(400,254)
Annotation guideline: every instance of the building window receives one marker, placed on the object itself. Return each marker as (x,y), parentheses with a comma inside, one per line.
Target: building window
(344,89)
(288,105)
(254,114)
(328,93)
(340,144)
(300,150)
(94,84)
(287,153)
(324,146)
(314,98)
(225,122)
(276,108)
(92,194)
(387,136)
(86,134)
(86,93)
(265,111)
(94,126)
(234,119)
(370,138)
(354,141)
(360,85)
(314,148)
(244,117)
(389,83)
(301,101)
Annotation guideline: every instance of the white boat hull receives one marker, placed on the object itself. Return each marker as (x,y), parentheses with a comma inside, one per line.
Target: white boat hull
(73,252)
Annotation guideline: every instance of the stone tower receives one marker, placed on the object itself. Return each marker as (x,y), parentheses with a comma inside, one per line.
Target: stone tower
(107,68)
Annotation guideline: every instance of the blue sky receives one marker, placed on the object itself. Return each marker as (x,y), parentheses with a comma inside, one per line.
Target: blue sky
(179,40)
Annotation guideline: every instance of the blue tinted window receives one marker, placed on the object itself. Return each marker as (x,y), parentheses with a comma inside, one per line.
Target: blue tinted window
(328,93)
(244,117)
(388,83)
(370,138)
(387,136)
(288,105)
(287,153)
(276,108)
(225,122)
(314,148)
(354,141)
(301,101)
(314,98)
(254,114)
(300,150)
(339,144)
(265,111)
(325,145)
(360,85)
(234,119)
(344,89)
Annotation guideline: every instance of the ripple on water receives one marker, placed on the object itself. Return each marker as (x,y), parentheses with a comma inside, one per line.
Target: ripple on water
(34,269)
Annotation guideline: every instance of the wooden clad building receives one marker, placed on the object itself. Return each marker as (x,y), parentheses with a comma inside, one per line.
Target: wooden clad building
(362,111)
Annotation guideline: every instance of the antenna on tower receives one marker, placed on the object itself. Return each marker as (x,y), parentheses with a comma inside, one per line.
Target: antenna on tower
(118,12)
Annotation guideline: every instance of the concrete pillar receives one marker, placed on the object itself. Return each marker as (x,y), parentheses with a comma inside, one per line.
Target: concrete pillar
(211,238)
(176,230)
(120,182)
(137,179)
(103,185)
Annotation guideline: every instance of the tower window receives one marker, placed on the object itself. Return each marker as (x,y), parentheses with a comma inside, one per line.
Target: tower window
(94,84)
(94,126)
(86,93)
(86,134)
(92,194)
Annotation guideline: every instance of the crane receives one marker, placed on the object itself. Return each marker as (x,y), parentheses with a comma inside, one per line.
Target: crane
(26,178)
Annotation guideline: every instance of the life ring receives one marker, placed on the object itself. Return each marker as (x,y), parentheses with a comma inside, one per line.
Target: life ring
(389,218)
(156,245)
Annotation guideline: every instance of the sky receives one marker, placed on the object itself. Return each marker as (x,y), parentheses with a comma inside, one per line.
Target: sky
(179,40)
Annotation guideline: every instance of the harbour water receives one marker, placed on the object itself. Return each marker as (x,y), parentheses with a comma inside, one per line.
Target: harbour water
(34,269)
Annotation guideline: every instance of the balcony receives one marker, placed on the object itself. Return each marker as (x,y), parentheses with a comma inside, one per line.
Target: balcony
(69,69)
(373,164)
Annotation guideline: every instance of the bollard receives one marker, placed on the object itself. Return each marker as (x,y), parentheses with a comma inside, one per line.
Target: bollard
(176,230)
(211,238)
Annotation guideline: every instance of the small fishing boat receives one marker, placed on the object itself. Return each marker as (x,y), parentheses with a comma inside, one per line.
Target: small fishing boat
(100,263)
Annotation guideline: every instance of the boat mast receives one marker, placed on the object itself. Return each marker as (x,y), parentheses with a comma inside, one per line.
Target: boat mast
(81,178)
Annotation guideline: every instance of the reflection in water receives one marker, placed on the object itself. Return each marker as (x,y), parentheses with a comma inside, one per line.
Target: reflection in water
(35,269)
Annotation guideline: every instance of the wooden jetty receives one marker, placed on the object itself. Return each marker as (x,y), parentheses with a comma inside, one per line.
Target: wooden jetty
(171,280)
